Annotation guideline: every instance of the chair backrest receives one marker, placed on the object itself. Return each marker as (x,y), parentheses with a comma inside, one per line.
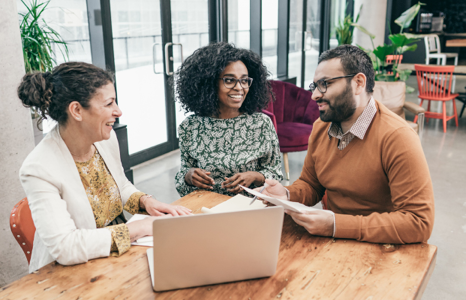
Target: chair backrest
(394,58)
(392,95)
(23,227)
(293,104)
(432,43)
(434,81)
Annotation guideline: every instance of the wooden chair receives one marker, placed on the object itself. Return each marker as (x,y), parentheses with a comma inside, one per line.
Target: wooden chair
(22,227)
(432,43)
(434,83)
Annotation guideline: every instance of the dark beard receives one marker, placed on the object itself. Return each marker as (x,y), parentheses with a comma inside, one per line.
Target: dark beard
(342,109)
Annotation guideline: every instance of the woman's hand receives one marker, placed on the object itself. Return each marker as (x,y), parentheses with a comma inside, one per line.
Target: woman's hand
(157,208)
(200,178)
(245,179)
(141,228)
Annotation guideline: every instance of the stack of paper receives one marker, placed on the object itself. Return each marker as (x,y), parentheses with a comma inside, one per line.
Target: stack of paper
(236,203)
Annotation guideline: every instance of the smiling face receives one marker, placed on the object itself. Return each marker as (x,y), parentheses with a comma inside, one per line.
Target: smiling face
(337,104)
(232,99)
(101,114)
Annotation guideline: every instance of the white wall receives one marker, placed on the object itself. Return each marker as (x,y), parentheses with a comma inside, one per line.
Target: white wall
(372,17)
(16,139)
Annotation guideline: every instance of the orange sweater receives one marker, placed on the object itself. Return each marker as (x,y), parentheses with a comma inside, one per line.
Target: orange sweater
(379,187)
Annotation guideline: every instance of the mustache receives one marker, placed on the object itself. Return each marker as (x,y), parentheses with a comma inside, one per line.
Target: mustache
(323,101)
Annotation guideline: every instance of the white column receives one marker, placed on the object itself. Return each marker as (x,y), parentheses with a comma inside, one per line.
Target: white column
(16,139)
(372,17)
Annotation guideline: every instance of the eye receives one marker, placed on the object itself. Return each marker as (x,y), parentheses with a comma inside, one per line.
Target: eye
(229,80)
(110,103)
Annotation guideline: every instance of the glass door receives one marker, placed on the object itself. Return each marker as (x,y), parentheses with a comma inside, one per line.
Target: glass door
(150,40)
(304,39)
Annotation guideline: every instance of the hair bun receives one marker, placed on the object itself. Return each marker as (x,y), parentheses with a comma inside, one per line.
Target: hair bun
(35,91)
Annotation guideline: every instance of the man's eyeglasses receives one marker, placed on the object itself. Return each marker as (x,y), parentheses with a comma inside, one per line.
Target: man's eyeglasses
(230,82)
(321,85)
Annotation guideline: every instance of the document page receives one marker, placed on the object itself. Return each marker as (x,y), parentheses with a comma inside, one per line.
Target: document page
(293,206)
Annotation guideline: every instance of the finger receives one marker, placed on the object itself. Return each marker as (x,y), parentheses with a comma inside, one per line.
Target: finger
(202,185)
(172,211)
(234,181)
(271,182)
(154,212)
(203,174)
(235,190)
(201,177)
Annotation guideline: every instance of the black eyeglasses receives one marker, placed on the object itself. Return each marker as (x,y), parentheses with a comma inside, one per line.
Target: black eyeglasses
(321,85)
(230,82)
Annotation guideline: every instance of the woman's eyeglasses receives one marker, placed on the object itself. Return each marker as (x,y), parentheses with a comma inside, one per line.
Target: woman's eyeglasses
(230,82)
(321,85)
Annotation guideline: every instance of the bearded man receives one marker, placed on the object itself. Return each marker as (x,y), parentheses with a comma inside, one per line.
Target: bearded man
(367,159)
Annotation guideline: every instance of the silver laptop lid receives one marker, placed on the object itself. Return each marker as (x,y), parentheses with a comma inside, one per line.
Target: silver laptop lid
(214,248)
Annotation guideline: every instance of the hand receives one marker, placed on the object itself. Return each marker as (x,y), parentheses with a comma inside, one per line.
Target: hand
(200,178)
(315,222)
(141,228)
(245,179)
(274,189)
(157,208)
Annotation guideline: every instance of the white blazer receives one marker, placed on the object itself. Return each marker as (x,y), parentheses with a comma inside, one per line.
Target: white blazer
(65,225)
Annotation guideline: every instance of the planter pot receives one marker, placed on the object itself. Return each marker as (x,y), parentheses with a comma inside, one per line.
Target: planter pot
(392,95)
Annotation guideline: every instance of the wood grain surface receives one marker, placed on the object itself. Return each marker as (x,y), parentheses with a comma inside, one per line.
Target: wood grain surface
(309,267)
(456,43)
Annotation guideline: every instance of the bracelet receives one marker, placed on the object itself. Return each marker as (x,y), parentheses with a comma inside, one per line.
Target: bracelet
(140,199)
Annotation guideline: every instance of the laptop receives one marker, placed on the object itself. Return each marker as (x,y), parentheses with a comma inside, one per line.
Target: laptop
(215,248)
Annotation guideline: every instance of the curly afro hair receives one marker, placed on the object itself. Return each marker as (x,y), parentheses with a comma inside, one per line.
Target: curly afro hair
(197,79)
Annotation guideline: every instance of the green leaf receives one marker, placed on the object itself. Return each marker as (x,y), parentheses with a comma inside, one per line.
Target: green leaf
(404,21)
(381,52)
(363,30)
(408,48)
(404,74)
(409,89)
(401,40)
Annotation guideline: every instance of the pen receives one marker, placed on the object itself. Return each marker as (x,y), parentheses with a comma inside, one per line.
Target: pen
(262,189)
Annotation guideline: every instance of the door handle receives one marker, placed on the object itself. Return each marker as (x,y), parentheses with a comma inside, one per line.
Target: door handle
(154,58)
(168,59)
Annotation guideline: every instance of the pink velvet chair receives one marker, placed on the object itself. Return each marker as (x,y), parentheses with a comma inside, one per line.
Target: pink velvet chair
(293,114)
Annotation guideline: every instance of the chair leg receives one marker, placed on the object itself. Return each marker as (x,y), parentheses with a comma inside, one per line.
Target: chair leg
(444,117)
(287,166)
(428,109)
(415,118)
(455,112)
(462,110)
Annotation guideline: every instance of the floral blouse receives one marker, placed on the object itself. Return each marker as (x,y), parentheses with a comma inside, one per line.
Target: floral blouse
(225,147)
(104,197)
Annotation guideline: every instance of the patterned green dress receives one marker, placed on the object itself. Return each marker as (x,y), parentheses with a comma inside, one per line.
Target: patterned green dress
(225,147)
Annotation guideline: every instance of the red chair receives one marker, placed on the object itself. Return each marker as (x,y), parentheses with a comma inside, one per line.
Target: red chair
(434,83)
(393,59)
(22,227)
(293,114)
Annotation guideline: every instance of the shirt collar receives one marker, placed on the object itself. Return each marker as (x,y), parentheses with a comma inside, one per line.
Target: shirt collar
(361,125)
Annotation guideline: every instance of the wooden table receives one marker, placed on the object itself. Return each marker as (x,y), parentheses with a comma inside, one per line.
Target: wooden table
(456,43)
(309,267)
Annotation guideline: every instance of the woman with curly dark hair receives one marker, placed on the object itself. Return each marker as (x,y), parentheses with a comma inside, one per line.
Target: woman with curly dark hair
(227,142)
(73,179)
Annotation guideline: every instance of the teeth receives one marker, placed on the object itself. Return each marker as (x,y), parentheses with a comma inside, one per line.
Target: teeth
(236,96)
(110,124)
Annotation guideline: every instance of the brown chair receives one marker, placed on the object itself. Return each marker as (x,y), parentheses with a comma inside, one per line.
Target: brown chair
(392,95)
(22,227)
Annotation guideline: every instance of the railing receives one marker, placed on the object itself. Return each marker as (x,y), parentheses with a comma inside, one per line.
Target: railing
(144,55)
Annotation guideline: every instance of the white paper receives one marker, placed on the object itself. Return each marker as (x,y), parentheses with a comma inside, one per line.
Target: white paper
(236,203)
(293,206)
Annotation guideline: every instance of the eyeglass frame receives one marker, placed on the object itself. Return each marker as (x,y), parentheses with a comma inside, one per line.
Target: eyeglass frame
(325,82)
(236,82)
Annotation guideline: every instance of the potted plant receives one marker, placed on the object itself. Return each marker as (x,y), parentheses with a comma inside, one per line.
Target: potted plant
(400,43)
(37,38)
(344,30)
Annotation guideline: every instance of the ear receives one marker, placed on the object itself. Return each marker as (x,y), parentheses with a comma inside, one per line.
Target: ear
(360,80)
(75,111)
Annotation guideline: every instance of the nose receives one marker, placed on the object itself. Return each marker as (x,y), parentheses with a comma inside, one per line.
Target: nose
(117,112)
(238,86)
(316,95)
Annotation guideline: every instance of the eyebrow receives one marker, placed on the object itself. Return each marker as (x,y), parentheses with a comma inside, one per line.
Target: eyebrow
(233,75)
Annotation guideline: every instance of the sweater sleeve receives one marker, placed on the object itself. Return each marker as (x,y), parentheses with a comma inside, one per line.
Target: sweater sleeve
(187,162)
(412,217)
(307,189)
(270,163)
